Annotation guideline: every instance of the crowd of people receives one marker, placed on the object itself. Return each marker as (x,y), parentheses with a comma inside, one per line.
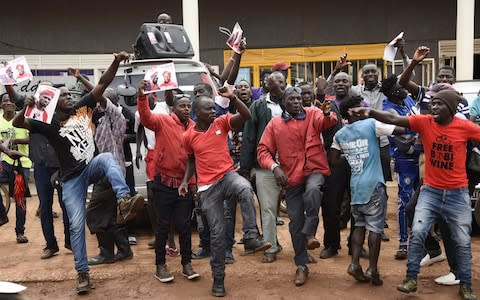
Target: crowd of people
(325,145)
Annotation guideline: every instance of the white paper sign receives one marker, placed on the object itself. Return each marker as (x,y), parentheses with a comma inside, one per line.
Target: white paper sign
(15,71)
(160,78)
(390,51)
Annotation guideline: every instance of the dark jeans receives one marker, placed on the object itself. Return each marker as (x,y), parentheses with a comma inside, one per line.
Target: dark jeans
(231,186)
(302,200)
(20,213)
(167,203)
(230,211)
(336,185)
(45,190)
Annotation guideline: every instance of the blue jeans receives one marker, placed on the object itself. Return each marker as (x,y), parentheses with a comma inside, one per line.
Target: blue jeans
(234,187)
(75,194)
(453,208)
(45,190)
(20,213)
(408,178)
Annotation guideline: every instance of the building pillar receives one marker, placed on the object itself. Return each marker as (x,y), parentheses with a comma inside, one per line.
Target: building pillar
(465,39)
(190,23)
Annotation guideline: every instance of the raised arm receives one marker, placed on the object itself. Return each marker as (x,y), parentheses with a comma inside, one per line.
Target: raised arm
(400,44)
(341,64)
(108,76)
(76,73)
(382,116)
(147,118)
(404,80)
(243,113)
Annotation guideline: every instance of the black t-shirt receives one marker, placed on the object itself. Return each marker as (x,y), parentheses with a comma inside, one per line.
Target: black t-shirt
(72,139)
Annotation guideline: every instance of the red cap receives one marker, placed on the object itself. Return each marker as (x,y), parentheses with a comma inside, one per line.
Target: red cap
(48,93)
(280,66)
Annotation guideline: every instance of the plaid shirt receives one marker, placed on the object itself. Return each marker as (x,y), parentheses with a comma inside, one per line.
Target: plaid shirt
(110,132)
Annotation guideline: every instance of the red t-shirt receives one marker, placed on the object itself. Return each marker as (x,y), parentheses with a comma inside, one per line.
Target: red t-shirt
(210,148)
(445,148)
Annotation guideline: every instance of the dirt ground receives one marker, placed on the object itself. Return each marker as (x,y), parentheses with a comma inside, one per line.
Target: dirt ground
(248,278)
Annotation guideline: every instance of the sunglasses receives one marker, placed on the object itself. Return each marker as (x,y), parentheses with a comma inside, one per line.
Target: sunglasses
(180,96)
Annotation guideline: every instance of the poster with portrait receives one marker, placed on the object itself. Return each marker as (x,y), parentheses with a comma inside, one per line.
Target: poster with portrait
(46,98)
(15,71)
(161,78)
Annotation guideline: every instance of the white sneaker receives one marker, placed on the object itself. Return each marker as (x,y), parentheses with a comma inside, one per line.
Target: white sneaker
(448,279)
(427,261)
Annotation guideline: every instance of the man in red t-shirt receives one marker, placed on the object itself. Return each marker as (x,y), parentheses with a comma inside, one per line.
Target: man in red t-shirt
(444,194)
(206,144)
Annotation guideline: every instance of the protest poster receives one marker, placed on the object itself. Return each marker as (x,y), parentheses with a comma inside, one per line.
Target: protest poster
(160,78)
(46,98)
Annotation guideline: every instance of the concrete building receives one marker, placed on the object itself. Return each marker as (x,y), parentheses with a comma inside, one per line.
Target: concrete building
(308,34)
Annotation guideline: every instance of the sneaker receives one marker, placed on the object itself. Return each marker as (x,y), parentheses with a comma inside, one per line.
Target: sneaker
(3,220)
(402,253)
(132,240)
(254,245)
(328,252)
(83,283)
(356,272)
(188,272)
(449,279)
(312,243)
(200,253)
(163,274)
(229,259)
(128,206)
(373,276)
(301,275)
(47,252)
(466,292)
(408,286)
(427,260)
(21,239)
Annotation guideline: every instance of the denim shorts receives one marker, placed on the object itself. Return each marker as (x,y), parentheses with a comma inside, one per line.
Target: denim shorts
(371,215)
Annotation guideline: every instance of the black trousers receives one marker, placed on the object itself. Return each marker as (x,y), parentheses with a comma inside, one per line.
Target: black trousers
(336,185)
(167,203)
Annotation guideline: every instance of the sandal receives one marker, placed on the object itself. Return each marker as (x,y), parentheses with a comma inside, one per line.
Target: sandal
(269,258)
